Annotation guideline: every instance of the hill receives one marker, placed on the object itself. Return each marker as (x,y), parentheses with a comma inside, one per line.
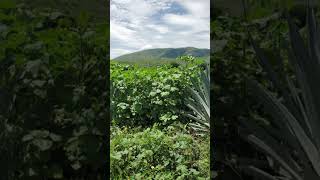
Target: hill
(163,54)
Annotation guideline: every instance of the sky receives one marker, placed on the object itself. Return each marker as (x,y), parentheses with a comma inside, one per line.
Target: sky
(136,25)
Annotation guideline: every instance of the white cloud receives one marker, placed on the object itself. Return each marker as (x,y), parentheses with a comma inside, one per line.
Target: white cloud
(117,52)
(148,46)
(175,19)
(158,37)
(198,8)
(192,22)
(120,32)
(143,24)
(160,28)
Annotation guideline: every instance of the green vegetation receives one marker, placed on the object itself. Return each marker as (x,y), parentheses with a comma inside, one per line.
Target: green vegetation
(53,91)
(295,119)
(147,95)
(97,8)
(153,153)
(199,102)
(278,118)
(150,135)
(162,55)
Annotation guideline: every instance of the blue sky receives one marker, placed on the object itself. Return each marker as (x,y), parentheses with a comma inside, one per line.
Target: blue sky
(145,24)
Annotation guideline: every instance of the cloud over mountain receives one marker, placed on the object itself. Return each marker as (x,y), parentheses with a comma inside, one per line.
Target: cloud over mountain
(143,24)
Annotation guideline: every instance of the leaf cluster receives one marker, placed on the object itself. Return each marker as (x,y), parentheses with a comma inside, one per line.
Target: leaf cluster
(53,90)
(152,153)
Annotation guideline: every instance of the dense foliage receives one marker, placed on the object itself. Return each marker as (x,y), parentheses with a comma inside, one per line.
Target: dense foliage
(146,95)
(290,139)
(233,61)
(150,135)
(152,153)
(53,91)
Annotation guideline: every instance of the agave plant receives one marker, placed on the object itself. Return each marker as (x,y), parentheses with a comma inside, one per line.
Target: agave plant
(291,141)
(199,103)
(112,103)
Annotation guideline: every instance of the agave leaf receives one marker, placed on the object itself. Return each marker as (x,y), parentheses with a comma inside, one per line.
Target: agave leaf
(196,108)
(275,77)
(298,101)
(313,35)
(195,118)
(199,103)
(282,150)
(305,142)
(306,92)
(267,149)
(200,100)
(308,70)
(277,120)
(260,174)
(309,173)
(253,162)
(297,43)
(283,133)
(201,126)
(297,117)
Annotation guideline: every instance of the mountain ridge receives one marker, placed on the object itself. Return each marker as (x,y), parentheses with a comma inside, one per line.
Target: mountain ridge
(164,54)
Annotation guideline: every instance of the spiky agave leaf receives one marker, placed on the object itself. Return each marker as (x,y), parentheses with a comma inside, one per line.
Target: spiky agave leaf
(295,123)
(112,104)
(199,103)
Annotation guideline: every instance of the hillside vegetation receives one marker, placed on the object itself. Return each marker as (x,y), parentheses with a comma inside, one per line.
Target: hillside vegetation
(150,133)
(163,55)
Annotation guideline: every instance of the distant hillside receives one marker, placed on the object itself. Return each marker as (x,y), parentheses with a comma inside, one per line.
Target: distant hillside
(163,54)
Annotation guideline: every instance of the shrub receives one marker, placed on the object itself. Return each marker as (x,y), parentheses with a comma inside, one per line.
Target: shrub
(146,95)
(156,154)
(55,86)
(290,139)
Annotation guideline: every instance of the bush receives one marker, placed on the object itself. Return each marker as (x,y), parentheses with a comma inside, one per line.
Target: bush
(147,95)
(232,60)
(54,83)
(155,154)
